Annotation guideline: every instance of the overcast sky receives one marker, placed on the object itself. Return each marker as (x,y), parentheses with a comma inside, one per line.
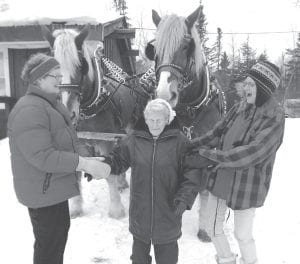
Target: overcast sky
(233,16)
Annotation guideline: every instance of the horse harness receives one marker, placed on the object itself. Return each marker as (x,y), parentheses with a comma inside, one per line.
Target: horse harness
(192,111)
(101,97)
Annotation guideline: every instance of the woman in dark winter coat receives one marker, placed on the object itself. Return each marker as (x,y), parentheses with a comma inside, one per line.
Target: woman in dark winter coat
(44,157)
(160,189)
(242,147)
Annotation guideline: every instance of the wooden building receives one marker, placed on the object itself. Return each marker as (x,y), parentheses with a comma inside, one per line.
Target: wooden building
(20,40)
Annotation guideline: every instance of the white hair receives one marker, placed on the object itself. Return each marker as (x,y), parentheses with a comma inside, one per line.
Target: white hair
(160,105)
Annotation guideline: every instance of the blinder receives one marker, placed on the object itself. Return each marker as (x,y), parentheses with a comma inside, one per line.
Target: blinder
(191,47)
(84,67)
(150,50)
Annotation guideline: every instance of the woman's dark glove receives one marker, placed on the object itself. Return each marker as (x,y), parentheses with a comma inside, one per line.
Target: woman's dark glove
(179,208)
(196,161)
(88,177)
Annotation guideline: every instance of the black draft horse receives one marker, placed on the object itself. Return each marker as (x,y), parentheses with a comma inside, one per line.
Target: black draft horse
(97,103)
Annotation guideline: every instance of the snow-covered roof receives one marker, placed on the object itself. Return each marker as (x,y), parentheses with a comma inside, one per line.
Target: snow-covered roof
(37,12)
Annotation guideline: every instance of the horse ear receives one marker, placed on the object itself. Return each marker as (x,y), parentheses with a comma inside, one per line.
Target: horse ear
(81,36)
(155,17)
(47,35)
(190,20)
(149,51)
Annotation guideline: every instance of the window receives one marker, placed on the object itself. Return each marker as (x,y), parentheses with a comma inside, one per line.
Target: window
(2,75)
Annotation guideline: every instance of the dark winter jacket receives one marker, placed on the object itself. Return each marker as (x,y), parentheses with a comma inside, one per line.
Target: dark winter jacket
(157,179)
(252,158)
(43,147)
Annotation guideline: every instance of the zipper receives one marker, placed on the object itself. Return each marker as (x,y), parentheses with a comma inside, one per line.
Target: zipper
(72,140)
(152,174)
(46,183)
(152,188)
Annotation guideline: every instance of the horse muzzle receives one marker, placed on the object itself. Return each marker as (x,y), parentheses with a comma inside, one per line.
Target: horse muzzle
(168,90)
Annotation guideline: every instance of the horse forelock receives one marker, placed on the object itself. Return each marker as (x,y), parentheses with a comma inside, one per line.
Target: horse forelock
(169,35)
(66,53)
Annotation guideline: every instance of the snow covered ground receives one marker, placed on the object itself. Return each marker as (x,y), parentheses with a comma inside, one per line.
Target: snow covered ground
(96,238)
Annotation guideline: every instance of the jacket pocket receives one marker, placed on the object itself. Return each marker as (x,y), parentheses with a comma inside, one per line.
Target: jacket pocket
(46,183)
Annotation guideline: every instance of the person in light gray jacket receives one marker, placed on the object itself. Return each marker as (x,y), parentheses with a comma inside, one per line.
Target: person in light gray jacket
(45,157)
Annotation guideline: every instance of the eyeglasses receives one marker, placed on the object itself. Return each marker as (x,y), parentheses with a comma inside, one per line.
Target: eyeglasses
(57,77)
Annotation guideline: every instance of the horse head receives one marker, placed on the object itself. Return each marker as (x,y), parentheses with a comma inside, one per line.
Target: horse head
(70,51)
(179,58)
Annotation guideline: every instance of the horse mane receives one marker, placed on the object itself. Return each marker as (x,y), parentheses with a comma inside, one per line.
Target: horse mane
(66,53)
(199,57)
(171,30)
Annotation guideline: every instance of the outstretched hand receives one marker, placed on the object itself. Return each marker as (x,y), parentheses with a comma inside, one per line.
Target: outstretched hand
(94,166)
(196,161)
(88,177)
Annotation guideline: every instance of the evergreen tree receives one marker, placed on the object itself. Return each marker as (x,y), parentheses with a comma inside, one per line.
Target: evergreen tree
(292,71)
(247,56)
(216,52)
(234,57)
(201,28)
(263,56)
(225,62)
(121,6)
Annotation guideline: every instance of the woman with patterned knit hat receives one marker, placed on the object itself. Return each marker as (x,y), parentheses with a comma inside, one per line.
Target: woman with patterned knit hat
(160,189)
(242,149)
(45,156)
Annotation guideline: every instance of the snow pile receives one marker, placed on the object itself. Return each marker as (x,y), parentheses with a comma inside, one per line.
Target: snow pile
(96,238)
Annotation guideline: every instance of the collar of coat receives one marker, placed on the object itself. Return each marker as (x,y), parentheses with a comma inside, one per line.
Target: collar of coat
(141,129)
(267,109)
(51,98)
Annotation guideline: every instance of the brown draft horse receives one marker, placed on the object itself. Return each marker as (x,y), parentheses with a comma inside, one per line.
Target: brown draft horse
(97,103)
(182,75)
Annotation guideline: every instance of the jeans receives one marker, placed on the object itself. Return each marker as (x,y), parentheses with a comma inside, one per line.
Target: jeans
(50,227)
(203,197)
(164,253)
(243,230)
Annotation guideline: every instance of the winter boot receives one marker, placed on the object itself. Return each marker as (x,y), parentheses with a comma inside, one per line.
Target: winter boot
(229,260)
(203,236)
